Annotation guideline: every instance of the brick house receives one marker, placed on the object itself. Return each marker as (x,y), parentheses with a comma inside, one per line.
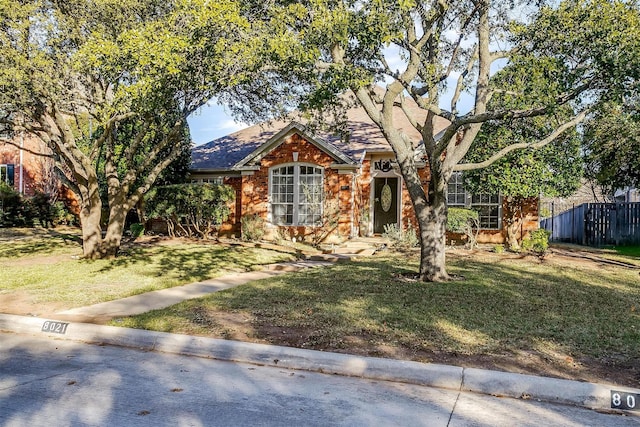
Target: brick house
(29,173)
(21,169)
(321,186)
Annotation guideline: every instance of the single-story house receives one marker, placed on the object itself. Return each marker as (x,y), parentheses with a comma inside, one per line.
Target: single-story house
(304,183)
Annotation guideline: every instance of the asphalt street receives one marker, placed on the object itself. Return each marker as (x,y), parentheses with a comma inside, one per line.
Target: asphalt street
(51,382)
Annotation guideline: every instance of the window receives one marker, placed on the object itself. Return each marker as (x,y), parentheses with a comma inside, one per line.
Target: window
(7,174)
(489,206)
(296,195)
(456,196)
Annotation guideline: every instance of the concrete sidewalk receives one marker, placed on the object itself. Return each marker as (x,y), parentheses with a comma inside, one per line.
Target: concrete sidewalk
(138,304)
(587,395)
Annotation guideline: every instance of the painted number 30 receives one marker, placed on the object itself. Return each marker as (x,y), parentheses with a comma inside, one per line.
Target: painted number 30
(621,400)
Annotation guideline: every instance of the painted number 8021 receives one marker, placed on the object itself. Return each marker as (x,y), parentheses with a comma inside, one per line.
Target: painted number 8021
(54,327)
(626,401)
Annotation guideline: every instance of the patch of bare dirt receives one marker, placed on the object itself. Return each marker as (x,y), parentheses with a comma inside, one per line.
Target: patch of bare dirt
(22,303)
(238,326)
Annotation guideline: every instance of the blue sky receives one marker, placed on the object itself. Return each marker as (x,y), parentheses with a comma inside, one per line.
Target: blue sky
(211,122)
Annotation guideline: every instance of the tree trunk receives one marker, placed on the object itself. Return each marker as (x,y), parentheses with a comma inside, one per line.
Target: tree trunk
(115,229)
(514,224)
(512,234)
(432,221)
(430,208)
(90,215)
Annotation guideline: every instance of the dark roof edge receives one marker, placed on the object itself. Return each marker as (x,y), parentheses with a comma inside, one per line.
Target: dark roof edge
(294,127)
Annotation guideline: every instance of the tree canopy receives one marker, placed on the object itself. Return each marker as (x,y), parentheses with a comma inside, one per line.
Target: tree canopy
(612,146)
(108,86)
(570,55)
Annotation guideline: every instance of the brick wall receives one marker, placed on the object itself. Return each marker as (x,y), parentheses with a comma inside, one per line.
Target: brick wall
(254,196)
(30,169)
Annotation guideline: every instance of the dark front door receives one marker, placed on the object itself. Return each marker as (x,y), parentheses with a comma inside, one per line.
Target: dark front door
(385,207)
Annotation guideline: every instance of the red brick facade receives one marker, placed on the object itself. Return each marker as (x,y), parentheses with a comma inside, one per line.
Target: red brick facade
(350,190)
(253,198)
(25,168)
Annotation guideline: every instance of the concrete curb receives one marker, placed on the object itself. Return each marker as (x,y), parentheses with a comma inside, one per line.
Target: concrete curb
(588,395)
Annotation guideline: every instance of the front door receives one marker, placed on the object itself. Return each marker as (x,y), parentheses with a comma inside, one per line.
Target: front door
(385,207)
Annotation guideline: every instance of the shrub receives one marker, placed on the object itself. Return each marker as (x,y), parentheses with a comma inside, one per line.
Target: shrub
(136,230)
(14,210)
(193,210)
(464,221)
(61,214)
(537,242)
(252,228)
(498,249)
(43,208)
(401,239)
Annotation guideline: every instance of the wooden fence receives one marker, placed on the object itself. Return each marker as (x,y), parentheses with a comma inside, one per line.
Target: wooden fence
(596,224)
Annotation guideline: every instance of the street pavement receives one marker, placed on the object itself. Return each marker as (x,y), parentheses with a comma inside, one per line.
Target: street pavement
(57,382)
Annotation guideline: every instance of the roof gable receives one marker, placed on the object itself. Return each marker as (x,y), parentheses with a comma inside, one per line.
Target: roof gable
(292,128)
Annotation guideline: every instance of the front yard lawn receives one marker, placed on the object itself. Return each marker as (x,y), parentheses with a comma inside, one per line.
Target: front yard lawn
(45,270)
(562,316)
(568,315)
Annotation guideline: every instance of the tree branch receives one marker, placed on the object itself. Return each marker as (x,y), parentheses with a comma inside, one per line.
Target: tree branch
(500,154)
(28,150)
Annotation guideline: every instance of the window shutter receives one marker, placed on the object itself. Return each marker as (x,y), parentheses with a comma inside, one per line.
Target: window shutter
(10,174)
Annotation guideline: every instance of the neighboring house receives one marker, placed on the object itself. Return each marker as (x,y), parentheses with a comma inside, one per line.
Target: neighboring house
(19,168)
(307,184)
(627,195)
(28,172)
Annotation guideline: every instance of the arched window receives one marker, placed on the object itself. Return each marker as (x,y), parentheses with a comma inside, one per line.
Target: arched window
(296,194)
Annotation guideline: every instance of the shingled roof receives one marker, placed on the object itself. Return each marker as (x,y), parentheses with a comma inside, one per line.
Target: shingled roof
(363,136)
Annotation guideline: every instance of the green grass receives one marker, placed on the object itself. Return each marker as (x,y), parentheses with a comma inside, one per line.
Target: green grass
(50,270)
(502,305)
(626,254)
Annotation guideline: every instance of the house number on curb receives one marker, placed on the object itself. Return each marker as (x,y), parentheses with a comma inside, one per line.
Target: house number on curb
(54,327)
(626,401)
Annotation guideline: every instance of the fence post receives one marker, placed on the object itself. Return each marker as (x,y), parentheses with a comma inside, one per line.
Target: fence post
(553,218)
(573,223)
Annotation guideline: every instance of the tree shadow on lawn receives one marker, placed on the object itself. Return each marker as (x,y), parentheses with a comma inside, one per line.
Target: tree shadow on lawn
(531,318)
(193,262)
(40,245)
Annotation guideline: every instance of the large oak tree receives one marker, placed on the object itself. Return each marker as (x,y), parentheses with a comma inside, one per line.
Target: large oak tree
(513,60)
(108,85)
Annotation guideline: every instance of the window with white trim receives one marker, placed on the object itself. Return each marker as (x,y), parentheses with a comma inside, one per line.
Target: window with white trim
(456,195)
(489,206)
(296,194)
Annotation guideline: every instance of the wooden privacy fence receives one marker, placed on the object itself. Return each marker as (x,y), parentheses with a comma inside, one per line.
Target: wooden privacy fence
(596,224)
